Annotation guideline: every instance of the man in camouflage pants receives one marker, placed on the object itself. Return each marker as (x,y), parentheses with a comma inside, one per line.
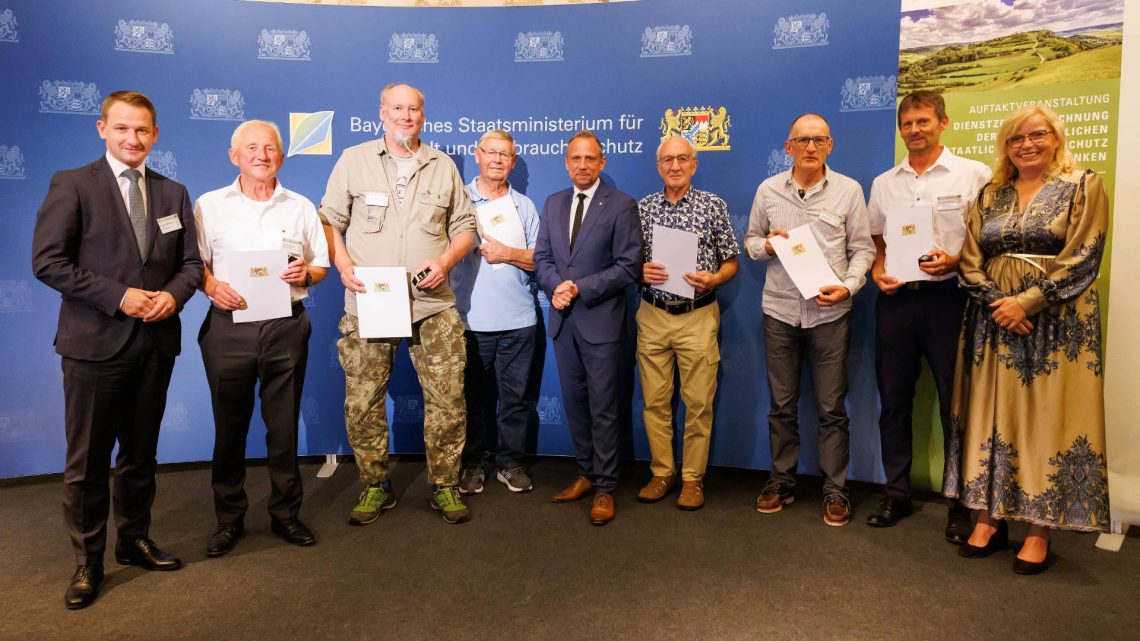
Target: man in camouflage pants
(396,202)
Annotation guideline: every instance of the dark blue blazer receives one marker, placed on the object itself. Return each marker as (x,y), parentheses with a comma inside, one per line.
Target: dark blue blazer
(607,258)
(84,247)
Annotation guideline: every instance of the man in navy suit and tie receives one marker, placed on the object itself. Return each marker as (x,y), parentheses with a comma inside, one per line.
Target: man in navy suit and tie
(588,252)
(117,241)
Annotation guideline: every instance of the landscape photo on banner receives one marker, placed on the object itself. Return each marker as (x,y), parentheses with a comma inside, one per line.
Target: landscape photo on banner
(990,57)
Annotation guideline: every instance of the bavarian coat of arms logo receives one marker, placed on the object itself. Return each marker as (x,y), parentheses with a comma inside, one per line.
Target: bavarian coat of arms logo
(706,128)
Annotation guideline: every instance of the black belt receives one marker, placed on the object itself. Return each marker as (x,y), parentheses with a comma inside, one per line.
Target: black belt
(680,306)
(298,306)
(932,284)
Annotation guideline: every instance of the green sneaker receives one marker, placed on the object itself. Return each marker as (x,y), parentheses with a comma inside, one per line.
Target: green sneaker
(373,500)
(446,499)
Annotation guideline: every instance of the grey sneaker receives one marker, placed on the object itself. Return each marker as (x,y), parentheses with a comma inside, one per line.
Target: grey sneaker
(471,480)
(446,499)
(515,479)
(373,500)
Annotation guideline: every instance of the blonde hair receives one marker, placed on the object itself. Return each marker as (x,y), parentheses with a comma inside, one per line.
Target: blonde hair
(496,134)
(1005,171)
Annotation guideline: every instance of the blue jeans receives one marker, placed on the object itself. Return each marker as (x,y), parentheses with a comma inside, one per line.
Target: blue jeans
(499,366)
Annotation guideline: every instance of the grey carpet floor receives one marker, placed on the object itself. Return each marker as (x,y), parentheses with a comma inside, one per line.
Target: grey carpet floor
(525,568)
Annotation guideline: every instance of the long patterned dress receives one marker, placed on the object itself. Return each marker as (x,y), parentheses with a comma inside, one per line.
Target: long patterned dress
(1028,411)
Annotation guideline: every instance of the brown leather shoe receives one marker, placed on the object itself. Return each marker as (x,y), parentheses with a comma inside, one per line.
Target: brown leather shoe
(692,495)
(773,498)
(579,488)
(602,511)
(656,489)
(837,510)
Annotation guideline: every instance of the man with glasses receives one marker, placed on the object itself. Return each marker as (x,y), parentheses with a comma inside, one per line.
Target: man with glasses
(398,202)
(679,332)
(920,318)
(810,193)
(588,252)
(495,295)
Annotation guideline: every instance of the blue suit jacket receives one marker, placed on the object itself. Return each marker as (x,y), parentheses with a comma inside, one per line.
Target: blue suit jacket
(84,247)
(607,258)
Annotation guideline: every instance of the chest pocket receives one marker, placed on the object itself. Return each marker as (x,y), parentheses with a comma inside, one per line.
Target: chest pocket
(370,218)
(434,211)
(829,227)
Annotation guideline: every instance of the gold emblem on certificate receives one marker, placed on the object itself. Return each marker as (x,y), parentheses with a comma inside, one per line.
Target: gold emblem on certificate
(798,249)
(381,287)
(909,230)
(258,272)
(498,219)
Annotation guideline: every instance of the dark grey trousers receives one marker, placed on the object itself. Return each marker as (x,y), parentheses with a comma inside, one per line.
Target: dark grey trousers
(825,347)
(239,357)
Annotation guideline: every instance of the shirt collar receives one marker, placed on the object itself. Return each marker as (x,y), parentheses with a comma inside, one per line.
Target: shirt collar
(477,196)
(234,189)
(791,183)
(118,166)
(683,199)
(589,191)
(945,160)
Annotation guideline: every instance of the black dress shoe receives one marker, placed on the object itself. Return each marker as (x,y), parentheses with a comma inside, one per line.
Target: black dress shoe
(293,531)
(145,554)
(890,511)
(84,586)
(1030,567)
(958,524)
(224,539)
(998,541)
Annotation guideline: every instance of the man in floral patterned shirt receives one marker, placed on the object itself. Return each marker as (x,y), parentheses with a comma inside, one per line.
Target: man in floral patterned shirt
(675,329)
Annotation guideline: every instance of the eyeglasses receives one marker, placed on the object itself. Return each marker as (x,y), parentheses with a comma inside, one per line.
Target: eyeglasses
(497,155)
(802,141)
(1035,137)
(667,161)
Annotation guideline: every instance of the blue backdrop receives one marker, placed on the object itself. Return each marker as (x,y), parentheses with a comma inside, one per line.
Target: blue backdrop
(621,68)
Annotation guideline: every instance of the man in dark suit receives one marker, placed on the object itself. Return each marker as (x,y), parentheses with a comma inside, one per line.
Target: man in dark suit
(588,252)
(117,241)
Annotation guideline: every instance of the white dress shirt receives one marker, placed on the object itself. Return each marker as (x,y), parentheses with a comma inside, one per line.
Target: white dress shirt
(228,221)
(949,187)
(589,191)
(117,168)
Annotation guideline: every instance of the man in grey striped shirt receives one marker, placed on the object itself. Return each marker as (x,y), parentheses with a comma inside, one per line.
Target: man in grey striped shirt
(810,193)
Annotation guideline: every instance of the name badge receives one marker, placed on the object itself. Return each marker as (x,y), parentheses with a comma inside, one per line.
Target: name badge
(170,223)
(949,203)
(376,199)
(293,247)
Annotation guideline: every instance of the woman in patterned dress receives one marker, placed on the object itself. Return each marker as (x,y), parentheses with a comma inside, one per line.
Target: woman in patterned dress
(1028,398)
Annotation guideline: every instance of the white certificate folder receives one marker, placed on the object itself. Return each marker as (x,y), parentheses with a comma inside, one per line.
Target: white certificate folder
(384,310)
(256,277)
(909,234)
(804,261)
(500,220)
(677,251)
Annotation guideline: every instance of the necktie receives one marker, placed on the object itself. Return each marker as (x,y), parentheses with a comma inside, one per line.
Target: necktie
(136,209)
(577,220)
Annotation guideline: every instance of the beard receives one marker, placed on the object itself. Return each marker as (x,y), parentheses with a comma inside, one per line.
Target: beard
(404,140)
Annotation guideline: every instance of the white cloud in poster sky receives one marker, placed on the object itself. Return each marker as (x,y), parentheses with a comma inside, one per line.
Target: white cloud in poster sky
(936,22)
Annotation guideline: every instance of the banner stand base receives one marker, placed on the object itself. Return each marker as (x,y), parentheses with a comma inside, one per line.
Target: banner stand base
(331,464)
(1114,540)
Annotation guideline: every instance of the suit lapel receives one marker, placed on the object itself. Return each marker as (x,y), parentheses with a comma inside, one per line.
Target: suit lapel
(153,202)
(593,212)
(562,224)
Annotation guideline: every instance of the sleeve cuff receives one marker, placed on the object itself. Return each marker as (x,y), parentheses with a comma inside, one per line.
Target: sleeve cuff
(1032,300)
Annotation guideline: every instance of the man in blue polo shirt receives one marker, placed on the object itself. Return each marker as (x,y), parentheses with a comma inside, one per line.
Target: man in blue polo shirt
(495,295)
